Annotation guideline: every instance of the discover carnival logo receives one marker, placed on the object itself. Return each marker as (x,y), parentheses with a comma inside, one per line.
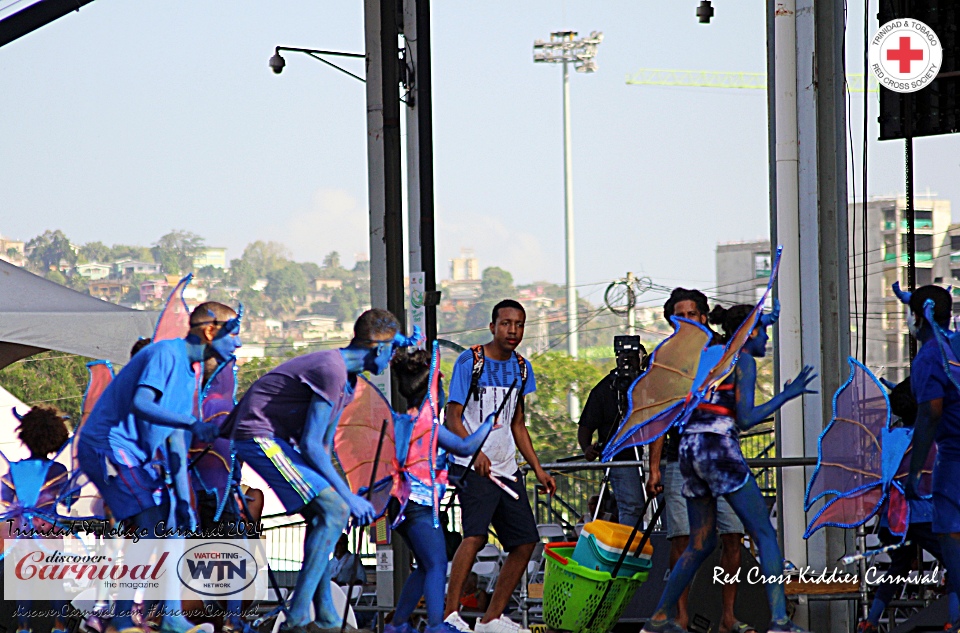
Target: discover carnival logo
(905,55)
(60,568)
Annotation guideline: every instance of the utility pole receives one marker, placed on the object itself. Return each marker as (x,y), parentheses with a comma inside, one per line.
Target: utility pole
(631,306)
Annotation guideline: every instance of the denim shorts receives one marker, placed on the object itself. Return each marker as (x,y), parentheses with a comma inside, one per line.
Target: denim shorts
(678,522)
(711,464)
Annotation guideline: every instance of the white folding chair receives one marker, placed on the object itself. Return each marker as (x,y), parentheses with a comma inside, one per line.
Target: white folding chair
(487,572)
(490,552)
(551,533)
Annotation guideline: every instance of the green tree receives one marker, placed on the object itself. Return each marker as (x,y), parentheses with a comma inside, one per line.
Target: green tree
(311,270)
(554,433)
(332,260)
(496,285)
(49,249)
(95,252)
(287,286)
(210,272)
(56,277)
(175,251)
(51,378)
(344,305)
(136,253)
(265,257)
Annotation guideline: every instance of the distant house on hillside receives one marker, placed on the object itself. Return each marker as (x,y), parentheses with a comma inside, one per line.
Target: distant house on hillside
(215,256)
(93,270)
(111,291)
(154,290)
(12,251)
(127,268)
(318,327)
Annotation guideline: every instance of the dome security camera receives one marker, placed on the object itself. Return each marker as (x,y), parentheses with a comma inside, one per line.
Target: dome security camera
(277,63)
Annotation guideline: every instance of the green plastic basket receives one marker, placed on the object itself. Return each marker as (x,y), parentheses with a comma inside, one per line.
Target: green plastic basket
(571,593)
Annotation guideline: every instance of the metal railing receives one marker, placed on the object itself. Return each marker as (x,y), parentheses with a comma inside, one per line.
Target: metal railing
(578,481)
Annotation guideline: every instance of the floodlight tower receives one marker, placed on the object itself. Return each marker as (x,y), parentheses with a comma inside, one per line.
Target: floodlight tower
(564,48)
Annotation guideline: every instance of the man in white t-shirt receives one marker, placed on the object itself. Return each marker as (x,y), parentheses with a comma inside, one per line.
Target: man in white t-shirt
(482,380)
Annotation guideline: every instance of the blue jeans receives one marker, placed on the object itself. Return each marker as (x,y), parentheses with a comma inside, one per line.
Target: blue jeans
(430,577)
(628,491)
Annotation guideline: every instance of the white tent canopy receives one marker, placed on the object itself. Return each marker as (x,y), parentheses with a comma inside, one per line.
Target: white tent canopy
(38,315)
(9,444)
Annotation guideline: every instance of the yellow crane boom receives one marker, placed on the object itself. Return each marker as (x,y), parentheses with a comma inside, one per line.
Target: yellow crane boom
(720,79)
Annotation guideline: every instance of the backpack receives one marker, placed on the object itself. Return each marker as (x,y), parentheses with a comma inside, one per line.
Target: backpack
(478,360)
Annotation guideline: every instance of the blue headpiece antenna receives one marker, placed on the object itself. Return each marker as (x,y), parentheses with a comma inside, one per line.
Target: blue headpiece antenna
(15,414)
(232,326)
(402,340)
(769,318)
(902,295)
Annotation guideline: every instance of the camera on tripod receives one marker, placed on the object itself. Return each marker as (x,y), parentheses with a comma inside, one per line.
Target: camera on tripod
(631,359)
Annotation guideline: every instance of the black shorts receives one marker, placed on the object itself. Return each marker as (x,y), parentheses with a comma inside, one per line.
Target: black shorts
(483,503)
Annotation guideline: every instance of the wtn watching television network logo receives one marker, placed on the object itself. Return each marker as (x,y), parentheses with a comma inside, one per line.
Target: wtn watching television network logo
(219,568)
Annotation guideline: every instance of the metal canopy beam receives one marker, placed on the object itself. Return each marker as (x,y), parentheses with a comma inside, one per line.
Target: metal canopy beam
(35,16)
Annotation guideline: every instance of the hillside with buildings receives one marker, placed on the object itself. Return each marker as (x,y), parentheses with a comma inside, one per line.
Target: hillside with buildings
(295,306)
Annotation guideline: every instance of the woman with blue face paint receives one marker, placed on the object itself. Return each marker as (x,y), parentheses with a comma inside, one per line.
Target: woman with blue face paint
(149,407)
(712,466)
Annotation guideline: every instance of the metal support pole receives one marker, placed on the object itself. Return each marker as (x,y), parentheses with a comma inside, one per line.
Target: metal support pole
(790,436)
(381,32)
(631,306)
(573,347)
(911,219)
(420,198)
(811,224)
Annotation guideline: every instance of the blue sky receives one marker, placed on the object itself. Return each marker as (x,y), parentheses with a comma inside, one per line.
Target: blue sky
(126,120)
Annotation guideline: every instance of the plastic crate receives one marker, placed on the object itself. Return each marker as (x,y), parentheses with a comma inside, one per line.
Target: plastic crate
(591,554)
(572,594)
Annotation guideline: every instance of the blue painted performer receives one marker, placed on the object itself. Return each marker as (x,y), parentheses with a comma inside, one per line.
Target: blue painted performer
(300,402)
(420,527)
(919,532)
(147,407)
(713,466)
(938,417)
(30,490)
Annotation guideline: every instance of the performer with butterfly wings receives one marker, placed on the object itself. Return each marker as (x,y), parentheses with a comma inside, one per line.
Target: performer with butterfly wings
(863,459)
(934,379)
(31,488)
(150,402)
(413,468)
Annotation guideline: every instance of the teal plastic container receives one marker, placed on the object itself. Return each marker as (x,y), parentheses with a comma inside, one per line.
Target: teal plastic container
(591,555)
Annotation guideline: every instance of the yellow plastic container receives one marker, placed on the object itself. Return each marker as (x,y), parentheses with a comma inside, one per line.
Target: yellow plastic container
(614,536)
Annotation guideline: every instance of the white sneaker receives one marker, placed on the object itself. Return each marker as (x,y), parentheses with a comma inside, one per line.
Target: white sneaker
(458,623)
(503,624)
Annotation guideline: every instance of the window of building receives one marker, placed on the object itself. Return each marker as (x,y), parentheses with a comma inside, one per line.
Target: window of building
(889,218)
(924,276)
(955,242)
(889,247)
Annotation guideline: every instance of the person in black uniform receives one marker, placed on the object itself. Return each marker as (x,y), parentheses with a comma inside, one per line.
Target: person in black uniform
(603,413)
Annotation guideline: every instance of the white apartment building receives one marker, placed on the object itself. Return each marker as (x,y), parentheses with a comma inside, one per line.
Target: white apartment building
(888,340)
(743,269)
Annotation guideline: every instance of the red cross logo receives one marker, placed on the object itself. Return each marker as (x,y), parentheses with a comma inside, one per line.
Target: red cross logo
(905,55)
